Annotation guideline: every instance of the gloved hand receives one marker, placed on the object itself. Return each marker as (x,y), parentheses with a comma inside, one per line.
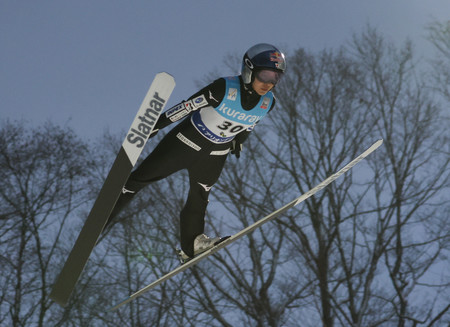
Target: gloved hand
(236,148)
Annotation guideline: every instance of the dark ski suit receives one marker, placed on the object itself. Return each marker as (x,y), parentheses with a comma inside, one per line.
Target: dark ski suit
(200,144)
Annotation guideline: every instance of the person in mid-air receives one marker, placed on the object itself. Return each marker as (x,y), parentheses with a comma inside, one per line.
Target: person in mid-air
(216,121)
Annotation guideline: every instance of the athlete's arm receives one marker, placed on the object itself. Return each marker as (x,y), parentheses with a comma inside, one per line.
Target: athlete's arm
(210,95)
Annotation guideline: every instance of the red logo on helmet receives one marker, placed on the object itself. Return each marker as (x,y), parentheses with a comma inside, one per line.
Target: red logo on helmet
(276,56)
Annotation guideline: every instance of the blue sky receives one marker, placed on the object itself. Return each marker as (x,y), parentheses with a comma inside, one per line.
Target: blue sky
(88,64)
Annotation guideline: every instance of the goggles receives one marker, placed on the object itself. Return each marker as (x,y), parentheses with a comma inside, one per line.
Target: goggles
(268,76)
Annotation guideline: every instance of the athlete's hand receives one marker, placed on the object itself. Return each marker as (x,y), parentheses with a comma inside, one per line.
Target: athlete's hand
(236,148)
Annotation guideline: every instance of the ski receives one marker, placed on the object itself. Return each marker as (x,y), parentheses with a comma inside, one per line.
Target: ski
(135,140)
(252,227)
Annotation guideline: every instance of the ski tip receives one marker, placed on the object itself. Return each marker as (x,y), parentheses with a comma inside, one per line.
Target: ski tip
(166,75)
(378,143)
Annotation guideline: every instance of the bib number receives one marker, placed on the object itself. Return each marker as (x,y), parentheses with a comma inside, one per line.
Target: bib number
(229,126)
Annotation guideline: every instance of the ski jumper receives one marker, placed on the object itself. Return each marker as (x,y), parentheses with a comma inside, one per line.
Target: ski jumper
(200,144)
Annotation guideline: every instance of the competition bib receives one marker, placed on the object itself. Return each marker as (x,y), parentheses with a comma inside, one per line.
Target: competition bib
(221,124)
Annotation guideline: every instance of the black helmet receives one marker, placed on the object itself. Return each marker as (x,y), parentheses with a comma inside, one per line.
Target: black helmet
(262,56)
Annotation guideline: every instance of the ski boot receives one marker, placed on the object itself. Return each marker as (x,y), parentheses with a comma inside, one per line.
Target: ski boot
(202,243)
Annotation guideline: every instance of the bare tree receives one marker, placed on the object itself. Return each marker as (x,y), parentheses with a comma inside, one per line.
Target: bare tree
(412,179)
(41,181)
(439,35)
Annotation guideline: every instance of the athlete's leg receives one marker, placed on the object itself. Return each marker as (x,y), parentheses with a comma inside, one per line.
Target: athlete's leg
(169,156)
(202,176)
